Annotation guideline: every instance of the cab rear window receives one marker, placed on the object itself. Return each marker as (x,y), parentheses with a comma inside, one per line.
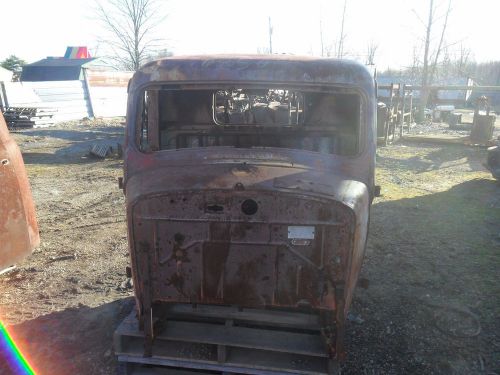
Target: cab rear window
(249,117)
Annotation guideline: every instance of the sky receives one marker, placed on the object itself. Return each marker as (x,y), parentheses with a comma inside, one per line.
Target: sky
(35,29)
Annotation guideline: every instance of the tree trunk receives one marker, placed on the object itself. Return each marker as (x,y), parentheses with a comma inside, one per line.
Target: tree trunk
(424,93)
(340,53)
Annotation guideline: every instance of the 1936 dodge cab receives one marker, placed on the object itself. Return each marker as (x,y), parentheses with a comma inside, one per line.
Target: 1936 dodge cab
(248,183)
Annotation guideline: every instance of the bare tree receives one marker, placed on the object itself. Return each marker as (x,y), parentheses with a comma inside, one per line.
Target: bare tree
(270,36)
(340,52)
(424,94)
(440,46)
(415,67)
(132,25)
(329,48)
(370,53)
(430,60)
(463,58)
(326,48)
(321,38)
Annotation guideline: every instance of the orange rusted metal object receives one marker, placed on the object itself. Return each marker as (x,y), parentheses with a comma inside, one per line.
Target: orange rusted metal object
(249,181)
(18,226)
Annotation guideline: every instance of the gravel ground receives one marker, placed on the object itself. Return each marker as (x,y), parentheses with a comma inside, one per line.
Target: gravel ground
(432,261)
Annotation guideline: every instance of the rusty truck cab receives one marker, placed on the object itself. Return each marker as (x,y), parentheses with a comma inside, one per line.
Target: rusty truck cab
(18,226)
(248,182)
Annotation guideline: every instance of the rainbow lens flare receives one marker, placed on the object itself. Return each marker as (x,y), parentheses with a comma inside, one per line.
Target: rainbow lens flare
(10,352)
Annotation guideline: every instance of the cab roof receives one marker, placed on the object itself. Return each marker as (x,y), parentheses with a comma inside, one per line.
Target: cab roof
(278,69)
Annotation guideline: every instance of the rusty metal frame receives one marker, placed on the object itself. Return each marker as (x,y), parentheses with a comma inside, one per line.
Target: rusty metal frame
(306,87)
(340,186)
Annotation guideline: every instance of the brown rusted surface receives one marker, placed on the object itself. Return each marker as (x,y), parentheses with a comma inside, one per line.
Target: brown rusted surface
(210,223)
(483,123)
(18,226)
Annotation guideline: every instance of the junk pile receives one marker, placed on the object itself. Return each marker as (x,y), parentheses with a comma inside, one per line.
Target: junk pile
(493,160)
(29,117)
(483,123)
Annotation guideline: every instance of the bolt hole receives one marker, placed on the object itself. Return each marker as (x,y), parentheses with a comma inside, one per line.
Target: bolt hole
(215,208)
(249,207)
(179,238)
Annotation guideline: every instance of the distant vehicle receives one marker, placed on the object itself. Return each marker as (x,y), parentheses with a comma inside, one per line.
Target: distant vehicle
(18,226)
(248,183)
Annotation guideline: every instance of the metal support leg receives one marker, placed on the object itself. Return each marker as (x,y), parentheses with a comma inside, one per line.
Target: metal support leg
(148,332)
(340,323)
(222,349)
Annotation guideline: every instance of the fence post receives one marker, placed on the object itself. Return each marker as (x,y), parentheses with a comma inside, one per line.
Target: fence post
(402,119)
(87,89)
(411,111)
(4,102)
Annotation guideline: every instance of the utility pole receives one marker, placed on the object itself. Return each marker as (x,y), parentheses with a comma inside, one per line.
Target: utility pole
(270,37)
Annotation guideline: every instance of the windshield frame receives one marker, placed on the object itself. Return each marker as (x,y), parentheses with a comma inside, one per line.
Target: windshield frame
(138,95)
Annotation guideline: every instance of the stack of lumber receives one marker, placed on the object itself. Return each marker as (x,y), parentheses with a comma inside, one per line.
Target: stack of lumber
(29,117)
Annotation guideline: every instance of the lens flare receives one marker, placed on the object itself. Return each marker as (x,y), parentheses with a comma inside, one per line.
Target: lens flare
(12,354)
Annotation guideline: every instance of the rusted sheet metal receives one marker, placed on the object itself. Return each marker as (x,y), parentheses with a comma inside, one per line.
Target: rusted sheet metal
(255,68)
(18,226)
(255,226)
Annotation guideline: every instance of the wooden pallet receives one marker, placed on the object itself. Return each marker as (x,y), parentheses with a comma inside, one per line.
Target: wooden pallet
(29,117)
(225,340)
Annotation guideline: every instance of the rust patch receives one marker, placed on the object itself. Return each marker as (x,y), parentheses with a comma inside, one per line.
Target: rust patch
(18,226)
(220,192)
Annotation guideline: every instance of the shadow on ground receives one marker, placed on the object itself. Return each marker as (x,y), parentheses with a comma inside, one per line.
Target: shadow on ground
(439,248)
(72,341)
(435,250)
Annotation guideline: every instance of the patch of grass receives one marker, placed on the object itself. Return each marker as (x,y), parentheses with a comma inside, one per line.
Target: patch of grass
(439,220)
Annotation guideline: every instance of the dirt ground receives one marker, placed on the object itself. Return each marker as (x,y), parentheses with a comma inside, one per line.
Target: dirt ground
(433,261)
